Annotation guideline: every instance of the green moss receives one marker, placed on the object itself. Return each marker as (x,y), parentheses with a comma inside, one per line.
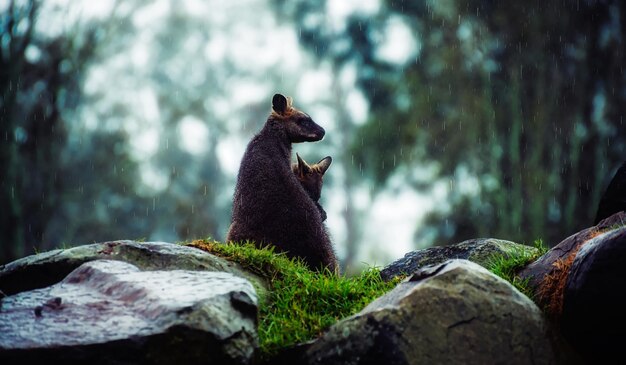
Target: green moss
(615,226)
(508,265)
(301,303)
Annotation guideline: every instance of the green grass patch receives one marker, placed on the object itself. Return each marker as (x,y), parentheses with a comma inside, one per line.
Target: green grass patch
(300,304)
(508,265)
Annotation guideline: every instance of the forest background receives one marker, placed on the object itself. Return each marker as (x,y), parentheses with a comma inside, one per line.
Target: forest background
(446,120)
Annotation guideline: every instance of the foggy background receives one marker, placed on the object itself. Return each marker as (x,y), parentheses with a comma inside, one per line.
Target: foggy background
(446,120)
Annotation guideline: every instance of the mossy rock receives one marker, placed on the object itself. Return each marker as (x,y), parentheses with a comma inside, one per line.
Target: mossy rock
(45,269)
(478,250)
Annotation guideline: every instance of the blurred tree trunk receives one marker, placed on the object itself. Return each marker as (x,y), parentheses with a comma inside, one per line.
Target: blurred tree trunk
(35,91)
(12,59)
(558,95)
(557,138)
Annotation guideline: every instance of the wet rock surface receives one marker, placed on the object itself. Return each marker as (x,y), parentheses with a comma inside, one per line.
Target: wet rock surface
(455,313)
(110,312)
(41,270)
(161,303)
(548,274)
(593,318)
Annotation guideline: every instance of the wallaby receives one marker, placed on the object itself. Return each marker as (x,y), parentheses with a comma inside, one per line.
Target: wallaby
(270,206)
(311,178)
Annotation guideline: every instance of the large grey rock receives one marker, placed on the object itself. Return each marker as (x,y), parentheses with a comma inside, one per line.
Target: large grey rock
(109,312)
(594,300)
(454,313)
(478,250)
(42,270)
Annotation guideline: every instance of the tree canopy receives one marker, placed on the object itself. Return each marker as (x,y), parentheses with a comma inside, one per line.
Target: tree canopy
(519,106)
(507,116)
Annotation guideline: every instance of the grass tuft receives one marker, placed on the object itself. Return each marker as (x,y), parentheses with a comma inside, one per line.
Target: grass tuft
(508,265)
(301,303)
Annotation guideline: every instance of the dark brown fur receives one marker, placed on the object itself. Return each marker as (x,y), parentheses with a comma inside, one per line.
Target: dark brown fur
(270,206)
(311,178)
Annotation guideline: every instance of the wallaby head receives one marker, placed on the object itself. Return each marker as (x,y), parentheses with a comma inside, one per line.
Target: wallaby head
(311,176)
(298,125)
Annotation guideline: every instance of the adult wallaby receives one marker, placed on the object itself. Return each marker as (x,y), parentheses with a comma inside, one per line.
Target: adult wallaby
(270,206)
(311,178)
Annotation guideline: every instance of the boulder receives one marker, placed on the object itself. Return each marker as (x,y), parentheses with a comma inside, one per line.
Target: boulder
(110,312)
(453,313)
(44,269)
(548,274)
(477,250)
(594,299)
(614,198)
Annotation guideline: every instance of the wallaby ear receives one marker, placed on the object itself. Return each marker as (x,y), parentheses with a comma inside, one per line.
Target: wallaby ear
(324,164)
(303,167)
(279,104)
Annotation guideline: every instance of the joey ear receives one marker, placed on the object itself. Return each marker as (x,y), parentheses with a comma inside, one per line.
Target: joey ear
(303,167)
(279,104)
(324,164)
